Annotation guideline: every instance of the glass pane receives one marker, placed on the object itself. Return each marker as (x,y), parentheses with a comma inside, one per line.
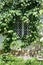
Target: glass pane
(15,27)
(20,28)
(25,29)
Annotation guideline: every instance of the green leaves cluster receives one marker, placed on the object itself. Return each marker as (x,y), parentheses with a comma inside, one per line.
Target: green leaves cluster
(11,11)
(8,59)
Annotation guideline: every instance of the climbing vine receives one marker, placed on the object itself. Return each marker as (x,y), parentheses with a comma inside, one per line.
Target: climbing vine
(11,11)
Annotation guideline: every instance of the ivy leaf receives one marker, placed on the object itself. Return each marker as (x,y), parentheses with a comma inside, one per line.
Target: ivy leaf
(18,12)
(10,31)
(3,24)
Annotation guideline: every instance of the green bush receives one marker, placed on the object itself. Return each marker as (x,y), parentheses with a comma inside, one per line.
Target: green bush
(34,61)
(8,59)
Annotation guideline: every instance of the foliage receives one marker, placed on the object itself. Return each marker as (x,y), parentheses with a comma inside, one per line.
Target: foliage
(8,59)
(34,61)
(11,11)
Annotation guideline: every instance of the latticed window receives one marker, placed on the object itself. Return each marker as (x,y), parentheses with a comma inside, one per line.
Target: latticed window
(21,28)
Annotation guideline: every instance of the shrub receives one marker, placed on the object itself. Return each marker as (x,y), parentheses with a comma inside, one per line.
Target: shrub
(8,59)
(33,61)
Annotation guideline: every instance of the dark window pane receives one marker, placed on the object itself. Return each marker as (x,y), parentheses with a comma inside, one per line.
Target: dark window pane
(25,29)
(20,28)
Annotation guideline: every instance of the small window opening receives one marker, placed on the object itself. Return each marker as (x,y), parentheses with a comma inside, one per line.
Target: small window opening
(21,28)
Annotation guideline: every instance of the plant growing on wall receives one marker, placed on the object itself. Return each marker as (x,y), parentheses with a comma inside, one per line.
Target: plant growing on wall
(11,11)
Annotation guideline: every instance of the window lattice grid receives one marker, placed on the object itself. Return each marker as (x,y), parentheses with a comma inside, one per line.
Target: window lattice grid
(21,28)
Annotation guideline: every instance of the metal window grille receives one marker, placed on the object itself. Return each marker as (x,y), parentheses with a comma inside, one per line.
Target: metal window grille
(21,28)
